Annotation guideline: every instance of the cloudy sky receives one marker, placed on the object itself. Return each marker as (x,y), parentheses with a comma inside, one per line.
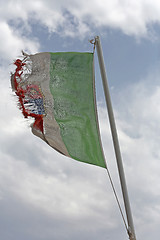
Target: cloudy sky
(46,196)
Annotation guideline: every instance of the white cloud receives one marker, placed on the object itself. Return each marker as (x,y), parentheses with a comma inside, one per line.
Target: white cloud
(62,189)
(12,42)
(71,18)
(83,17)
(132,17)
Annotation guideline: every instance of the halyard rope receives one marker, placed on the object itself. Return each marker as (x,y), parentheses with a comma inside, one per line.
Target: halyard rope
(116,196)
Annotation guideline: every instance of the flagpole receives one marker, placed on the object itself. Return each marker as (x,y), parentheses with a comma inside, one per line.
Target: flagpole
(131,231)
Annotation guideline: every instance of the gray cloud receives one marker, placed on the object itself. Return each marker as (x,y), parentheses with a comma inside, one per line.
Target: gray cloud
(138,120)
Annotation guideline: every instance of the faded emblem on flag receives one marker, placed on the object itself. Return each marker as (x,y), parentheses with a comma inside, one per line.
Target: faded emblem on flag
(34,100)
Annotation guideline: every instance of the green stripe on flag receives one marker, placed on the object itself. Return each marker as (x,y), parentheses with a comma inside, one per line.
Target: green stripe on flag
(72,87)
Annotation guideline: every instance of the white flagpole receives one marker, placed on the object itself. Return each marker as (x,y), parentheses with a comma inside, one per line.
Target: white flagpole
(131,231)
